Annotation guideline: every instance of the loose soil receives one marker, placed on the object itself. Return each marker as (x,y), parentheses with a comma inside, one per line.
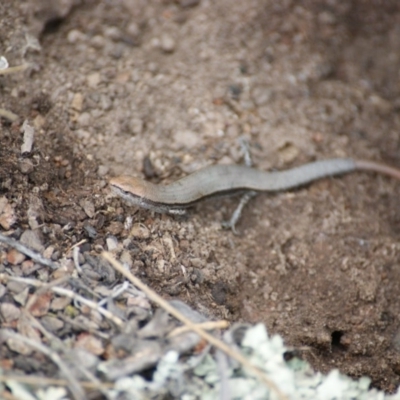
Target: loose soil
(159,89)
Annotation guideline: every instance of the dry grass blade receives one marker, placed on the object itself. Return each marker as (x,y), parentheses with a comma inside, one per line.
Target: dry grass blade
(8,115)
(13,70)
(194,327)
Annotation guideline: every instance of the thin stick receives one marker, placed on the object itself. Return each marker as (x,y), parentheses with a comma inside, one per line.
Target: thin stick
(8,115)
(41,381)
(13,70)
(28,252)
(209,338)
(208,326)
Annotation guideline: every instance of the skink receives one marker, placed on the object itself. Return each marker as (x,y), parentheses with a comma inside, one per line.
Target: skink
(230,179)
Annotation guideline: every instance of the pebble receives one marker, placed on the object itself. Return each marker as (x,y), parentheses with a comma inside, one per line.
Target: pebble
(59,303)
(126,258)
(9,312)
(261,95)
(7,216)
(103,170)
(84,119)
(74,36)
(98,41)
(136,126)
(31,239)
(52,324)
(113,33)
(140,231)
(186,138)
(77,102)
(112,243)
(88,207)
(167,43)
(26,166)
(93,79)
(16,287)
(115,228)
(105,102)
(48,252)
(90,343)
(90,230)
(14,257)
(29,135)
(28,267)
(22,297)
(133,30)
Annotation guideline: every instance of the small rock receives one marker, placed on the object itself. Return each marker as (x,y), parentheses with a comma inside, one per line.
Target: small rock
(52,324)
(32,240)
(29,135)
(126,258)
(103,170)
(140,231)
(14,257)
(35,211)
(105,102)
(167,43)
(26,166)
(98,41)
(90,230)
(84,119)
(93,79)
(90,343)
(16,287)
(22,297)
(88,207)
(133,30)
(115,228)
(28,266)
(112,243)
(77,102)
(7,216)
(186,138)
(48,252)
(9,312)
(116,51)
(74,36)
(60,303)
(41,305)
(136,126)
(113,33)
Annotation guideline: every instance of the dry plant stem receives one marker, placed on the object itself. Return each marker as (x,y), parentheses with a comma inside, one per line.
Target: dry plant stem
(13,70)
(208,326)
(8,115)
(68,293)
(74,385)
(195,328)
(28,252)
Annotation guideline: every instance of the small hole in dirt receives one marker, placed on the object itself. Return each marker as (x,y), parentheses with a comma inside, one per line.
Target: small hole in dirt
(52,26)
(336,337)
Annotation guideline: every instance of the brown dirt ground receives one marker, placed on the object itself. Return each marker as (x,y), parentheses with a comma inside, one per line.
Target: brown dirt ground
(177,86)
